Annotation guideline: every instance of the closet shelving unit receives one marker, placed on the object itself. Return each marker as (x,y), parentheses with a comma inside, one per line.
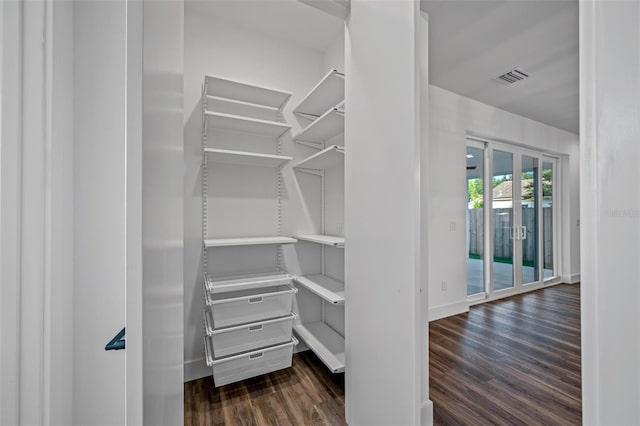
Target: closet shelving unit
(328,157)
(245,158)
(251,241)
(323,106)
(327,126)
(328,93)
(326,240)
(238,123)
(248,319)
(246,282)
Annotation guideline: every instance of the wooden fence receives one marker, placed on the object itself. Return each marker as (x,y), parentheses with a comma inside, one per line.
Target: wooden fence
(503,244)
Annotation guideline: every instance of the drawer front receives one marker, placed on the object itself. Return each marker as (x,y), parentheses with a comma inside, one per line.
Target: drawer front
(251,364)
(258,308)
(244,338)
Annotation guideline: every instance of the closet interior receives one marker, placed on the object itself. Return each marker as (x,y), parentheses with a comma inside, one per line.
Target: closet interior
(264,215)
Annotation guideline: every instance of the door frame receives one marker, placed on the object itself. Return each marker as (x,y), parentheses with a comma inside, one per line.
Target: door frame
(10,208)
(36,212)
(488,146)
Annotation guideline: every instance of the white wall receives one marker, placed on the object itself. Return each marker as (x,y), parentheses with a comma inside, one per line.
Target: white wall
(218,48)
(100,210)
(610,179)
(59,321)
(162,173)
(334,55)
(128,224)
(451,117)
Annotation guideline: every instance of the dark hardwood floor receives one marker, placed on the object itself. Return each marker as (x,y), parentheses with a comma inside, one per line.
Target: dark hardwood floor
(515,361)
(306,394)
(511,362)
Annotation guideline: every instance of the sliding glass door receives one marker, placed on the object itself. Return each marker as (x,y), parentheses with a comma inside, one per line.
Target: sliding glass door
(529,265)
(515,213)
(548,235)
(475,219)
(502,200)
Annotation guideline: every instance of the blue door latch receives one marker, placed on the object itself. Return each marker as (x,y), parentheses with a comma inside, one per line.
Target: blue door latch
(117,343)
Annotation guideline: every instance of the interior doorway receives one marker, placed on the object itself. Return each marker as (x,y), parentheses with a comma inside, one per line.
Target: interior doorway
(511,219)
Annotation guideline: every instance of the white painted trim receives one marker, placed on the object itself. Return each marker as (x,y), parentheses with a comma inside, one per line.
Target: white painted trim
(450,309)
(35,212)
(196,369)
(134,404)
(571,278)
(422,79)
(589,203)
(552,281)
(10,209)
(426,415)
(58,214)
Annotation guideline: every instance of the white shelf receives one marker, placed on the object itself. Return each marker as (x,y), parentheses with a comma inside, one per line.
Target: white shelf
(229,242)
(238,123)
(245,158)
(324,159)
(245,282)
(327,288)
(328,93)
(324,342)
(327,240)
(244,92)
(330,124)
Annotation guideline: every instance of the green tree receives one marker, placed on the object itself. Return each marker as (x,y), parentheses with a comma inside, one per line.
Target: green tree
(497,180)
(476,191)
(547,184)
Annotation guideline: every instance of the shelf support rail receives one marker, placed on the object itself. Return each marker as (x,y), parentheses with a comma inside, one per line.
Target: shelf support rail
(279,254)
(205,219)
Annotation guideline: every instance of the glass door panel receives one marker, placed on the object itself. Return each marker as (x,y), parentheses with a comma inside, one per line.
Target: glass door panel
(547,219)
(502,216)
(475,221)
(527,238)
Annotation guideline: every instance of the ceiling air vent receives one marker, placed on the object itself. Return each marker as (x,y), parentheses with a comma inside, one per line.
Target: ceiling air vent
(513,76)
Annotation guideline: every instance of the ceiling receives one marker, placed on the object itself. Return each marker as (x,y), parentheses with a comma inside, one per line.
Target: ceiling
(473,42)
(288,20)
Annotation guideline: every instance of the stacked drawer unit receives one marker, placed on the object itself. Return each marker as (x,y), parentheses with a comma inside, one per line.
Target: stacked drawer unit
(248,319)
(248,332)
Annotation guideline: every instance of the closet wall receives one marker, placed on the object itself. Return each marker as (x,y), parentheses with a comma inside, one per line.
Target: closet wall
(244,198)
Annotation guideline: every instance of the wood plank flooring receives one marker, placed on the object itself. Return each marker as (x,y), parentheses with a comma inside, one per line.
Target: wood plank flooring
(515,361)
(511,362)
(306,394)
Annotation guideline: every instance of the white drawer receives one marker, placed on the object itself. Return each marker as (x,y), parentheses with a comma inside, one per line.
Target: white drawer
(249,364)
(247,306)
(242,338)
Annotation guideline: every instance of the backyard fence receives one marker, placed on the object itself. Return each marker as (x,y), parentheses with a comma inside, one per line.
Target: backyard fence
(503,243)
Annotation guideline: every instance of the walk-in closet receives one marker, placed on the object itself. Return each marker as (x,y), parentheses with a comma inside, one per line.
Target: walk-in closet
(264,198)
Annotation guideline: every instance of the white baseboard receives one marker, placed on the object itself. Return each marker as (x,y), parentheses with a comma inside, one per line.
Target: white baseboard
(571,278)
(196,369)
(426,413)
(443,311)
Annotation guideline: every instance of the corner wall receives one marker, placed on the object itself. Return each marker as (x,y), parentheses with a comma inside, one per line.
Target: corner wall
(451,118)
(610,129)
